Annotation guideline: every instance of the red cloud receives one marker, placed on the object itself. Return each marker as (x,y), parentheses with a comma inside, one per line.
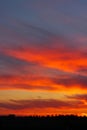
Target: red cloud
(57,54)
(39,103)
(34,82)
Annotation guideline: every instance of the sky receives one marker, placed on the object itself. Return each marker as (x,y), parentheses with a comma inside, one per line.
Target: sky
(43,57)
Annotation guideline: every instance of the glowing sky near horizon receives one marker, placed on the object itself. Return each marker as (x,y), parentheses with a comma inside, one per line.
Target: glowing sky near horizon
(43,57)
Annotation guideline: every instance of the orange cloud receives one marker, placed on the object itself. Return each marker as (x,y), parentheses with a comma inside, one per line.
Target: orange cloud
(61,67)
(42,107)
(58,54)
(62,83)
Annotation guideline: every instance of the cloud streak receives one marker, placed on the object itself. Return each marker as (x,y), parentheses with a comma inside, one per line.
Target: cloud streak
(39,103)
(34,82)
(58,63)
(56,53)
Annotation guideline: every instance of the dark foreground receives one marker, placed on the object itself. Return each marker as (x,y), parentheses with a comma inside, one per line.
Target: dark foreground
(41,123)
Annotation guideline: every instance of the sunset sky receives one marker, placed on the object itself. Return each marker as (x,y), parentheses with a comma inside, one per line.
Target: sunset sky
(43,57)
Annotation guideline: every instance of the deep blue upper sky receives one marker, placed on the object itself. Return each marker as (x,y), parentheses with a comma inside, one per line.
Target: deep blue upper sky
(66,17)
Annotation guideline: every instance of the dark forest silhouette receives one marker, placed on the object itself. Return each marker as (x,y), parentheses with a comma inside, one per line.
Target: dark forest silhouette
(61,122)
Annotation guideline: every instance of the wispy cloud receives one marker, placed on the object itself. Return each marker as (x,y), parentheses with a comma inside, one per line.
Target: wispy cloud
(39,103)
(56,53)
(79,97)
(34,82)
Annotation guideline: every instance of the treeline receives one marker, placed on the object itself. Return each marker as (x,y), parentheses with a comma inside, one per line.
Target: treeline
(61,122)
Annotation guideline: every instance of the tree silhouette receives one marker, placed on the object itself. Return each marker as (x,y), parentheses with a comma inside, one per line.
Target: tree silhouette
(61,122)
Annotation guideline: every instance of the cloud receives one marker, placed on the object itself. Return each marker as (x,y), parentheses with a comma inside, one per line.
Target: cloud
(39,103)
(36,82)
(25,82)
(55,55)
(55,52)
(19,33)
(12,66)
(72,81)
(82,70)
(79,97)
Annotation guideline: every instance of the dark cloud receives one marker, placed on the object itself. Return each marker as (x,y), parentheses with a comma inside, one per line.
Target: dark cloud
(43,82)
(79,97)
(38,103)
(14,61)
(20,34)
(70,80)
(82,70)
(36,29)
(12,65)
(82,98)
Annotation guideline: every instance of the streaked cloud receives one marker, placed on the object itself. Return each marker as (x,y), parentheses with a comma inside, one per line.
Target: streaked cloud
(39,103)
(34,82)
(79,97)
